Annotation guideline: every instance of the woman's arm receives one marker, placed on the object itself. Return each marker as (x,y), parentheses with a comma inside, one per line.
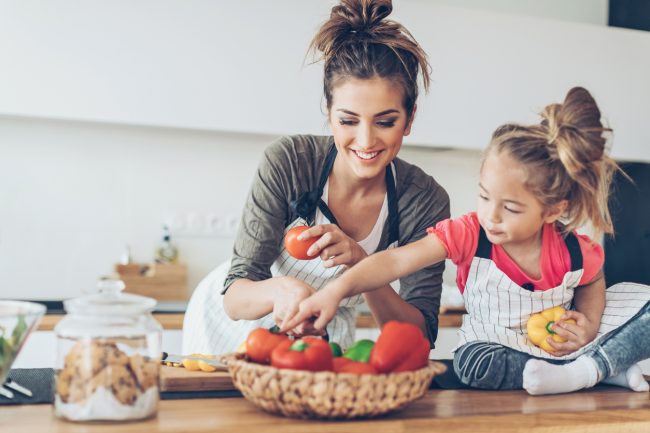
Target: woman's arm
(386,305)
(249,288)
(371,273)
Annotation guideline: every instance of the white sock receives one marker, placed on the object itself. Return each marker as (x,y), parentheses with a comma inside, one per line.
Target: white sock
(631,378)
(541,377)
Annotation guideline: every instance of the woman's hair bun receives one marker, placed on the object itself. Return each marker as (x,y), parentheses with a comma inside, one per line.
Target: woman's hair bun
(361,16)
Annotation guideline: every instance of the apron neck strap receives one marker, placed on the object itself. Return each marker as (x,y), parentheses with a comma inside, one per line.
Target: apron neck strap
(305,205)
(484,249)
(574,251)
(393,220)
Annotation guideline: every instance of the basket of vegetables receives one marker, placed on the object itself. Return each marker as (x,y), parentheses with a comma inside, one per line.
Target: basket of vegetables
(311,378)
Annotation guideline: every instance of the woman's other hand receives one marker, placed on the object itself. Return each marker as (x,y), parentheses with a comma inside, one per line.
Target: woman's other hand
(577,335)
(289,294)
(334,247)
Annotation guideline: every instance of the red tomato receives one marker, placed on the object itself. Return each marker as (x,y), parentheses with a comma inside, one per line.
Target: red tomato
(298,249)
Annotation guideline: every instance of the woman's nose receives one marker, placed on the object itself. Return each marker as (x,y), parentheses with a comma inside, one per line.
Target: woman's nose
(365,136)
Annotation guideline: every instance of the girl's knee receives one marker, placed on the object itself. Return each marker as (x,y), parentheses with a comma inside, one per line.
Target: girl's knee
(483,365)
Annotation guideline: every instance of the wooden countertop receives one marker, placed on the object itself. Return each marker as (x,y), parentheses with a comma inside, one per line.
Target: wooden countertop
(601,410)
(448,319)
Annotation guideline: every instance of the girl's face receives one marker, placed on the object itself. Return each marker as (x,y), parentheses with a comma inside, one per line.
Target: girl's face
(509,213)
(369,123)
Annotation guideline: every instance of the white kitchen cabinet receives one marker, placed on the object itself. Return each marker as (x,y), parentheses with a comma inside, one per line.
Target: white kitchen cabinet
(223,65)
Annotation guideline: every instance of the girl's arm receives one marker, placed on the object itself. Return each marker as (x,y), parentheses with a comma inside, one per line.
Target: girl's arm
(371,273)
(589,301)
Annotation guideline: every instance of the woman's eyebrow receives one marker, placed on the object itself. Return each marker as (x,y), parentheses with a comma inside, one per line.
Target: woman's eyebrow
(382,113)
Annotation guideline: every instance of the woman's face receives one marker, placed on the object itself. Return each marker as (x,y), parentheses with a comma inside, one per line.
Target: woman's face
(368,122)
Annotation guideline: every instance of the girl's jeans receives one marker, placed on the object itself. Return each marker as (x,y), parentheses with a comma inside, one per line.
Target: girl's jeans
(493,366)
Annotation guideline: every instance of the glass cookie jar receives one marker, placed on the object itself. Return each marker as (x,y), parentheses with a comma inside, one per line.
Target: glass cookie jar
(108,357)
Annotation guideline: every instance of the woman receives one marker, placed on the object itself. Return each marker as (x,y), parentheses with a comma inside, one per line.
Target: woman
(350,187)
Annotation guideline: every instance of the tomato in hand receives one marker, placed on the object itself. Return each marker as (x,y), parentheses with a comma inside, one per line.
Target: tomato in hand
(298,248)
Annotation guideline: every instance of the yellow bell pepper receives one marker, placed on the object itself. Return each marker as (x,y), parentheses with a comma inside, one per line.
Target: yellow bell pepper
(199,365)
(539,327)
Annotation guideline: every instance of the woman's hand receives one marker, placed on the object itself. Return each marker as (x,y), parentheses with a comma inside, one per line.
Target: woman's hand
(322,306)
(289,294)
(577,336)
(334,247)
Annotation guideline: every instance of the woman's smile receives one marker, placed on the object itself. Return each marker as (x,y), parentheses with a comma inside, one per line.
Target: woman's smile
(367,156)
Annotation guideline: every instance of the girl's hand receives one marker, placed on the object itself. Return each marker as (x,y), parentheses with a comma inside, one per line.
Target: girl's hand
(322,305)
(578,335)
(334,247)
(289,293)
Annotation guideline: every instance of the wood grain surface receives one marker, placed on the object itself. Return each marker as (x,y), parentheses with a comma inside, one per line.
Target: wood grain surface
(600,410)
(181,379)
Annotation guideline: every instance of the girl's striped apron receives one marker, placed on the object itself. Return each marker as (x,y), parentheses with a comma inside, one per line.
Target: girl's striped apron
(207,328)
(498,309)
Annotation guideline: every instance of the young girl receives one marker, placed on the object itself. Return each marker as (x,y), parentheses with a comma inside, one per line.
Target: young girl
(519,254)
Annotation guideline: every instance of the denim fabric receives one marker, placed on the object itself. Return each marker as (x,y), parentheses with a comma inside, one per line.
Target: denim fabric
(624,346)
(486,365)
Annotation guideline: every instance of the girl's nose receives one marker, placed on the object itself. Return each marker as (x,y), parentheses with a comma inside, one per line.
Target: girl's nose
(495,215)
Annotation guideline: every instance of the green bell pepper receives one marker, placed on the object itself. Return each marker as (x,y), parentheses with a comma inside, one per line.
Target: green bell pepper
(359,351)
(336,349)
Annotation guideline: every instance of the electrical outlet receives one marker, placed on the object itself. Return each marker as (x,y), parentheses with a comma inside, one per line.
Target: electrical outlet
(201,224)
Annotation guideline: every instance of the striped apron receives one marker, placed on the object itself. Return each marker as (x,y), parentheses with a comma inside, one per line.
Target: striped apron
(498,309)
(208,329)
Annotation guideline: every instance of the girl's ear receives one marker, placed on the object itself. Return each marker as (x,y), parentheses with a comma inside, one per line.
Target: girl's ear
(556,211)
(409,123)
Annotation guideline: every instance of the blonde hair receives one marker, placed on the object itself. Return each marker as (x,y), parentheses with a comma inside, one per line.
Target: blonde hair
(565,159)
(358,41)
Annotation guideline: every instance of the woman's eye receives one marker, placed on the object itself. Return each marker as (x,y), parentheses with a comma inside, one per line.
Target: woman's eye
(346,122)
(386,123)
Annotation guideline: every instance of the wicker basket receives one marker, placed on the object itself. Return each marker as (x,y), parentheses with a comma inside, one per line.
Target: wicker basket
(304,394)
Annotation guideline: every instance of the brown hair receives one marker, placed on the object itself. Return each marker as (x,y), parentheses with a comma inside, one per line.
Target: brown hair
(565,159)
(359,42)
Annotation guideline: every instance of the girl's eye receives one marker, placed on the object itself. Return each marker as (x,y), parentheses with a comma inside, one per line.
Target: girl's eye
(483,197)
(512,211)
(346,122)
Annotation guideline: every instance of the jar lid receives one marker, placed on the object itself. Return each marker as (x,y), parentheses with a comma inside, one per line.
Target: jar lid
(110,301)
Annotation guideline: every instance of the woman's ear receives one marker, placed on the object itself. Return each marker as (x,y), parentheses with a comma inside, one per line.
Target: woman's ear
(409,122)
(556,211)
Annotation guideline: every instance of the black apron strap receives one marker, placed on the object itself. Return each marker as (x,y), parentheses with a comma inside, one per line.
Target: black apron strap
(484,247)
(574,251)
(393,217)
(305,205)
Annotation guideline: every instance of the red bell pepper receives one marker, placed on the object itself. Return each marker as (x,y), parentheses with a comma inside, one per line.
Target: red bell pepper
(261,342)
(309,353)
(401,346)
(339,362)
(356,367)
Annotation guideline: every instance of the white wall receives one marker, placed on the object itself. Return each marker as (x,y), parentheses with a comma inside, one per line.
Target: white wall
(581,11)
(72,194)
(238,66)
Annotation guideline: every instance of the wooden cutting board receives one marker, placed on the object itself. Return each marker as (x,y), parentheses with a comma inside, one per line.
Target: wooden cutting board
(180,379)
